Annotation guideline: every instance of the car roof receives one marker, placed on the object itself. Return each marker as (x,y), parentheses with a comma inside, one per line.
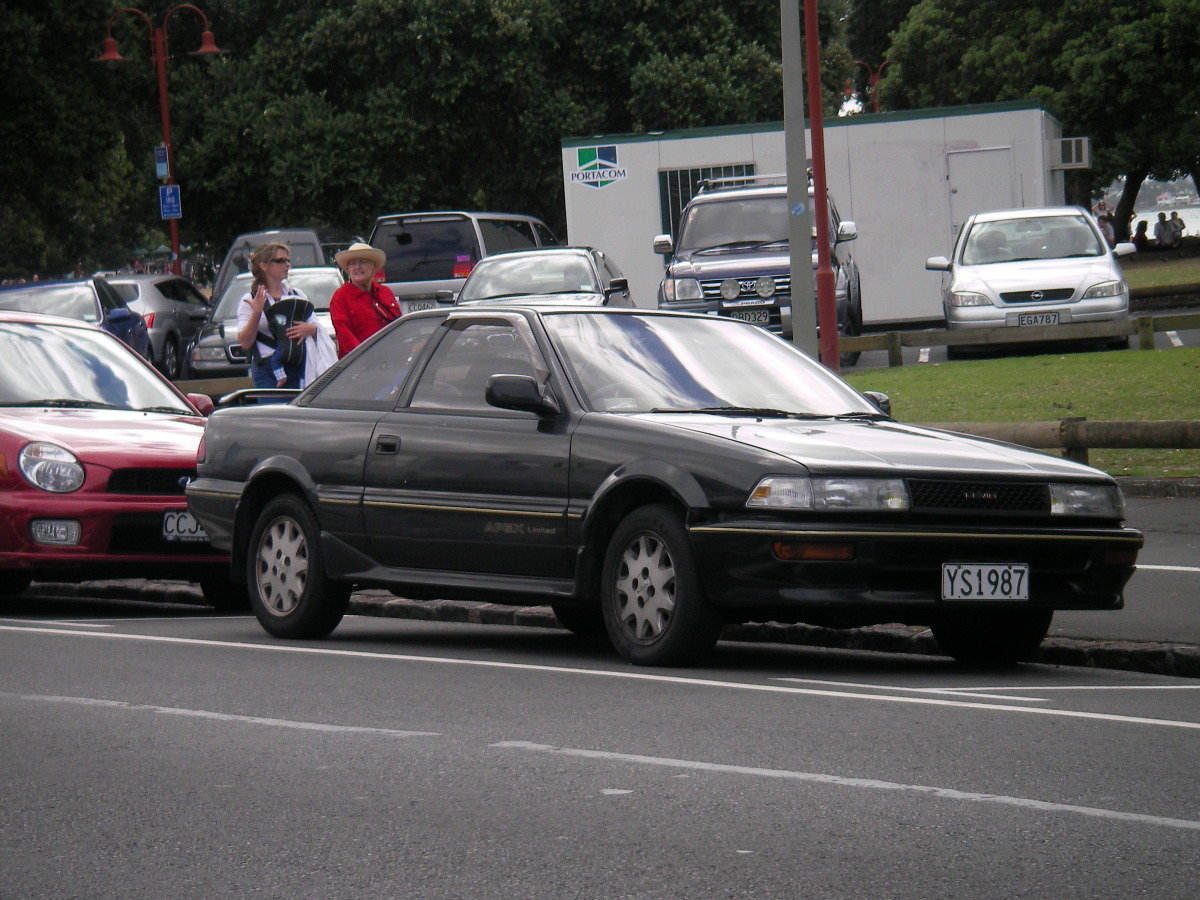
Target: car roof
(58,282)
(143,278)
(540,251)
(1034,212)
(447,213)
(541,309)
(321,234)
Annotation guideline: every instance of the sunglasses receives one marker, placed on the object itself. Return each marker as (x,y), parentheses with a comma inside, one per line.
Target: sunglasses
(283,260)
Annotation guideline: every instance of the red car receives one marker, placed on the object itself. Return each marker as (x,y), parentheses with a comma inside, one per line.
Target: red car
(95,451)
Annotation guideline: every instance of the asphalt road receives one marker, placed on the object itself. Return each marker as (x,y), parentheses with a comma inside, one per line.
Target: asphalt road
(193,756)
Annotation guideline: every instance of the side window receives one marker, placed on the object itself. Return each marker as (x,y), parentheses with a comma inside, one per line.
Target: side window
(374,377)
(506,234)
(608,270)
(457,376)
(545,236)
(189,294)
(172,288)
(127,292)
(109,298)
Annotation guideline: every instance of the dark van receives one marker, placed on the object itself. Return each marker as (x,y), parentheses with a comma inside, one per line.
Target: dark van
(434,252)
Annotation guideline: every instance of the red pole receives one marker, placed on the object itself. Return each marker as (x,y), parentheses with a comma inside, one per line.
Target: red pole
(158,48)
(826,302)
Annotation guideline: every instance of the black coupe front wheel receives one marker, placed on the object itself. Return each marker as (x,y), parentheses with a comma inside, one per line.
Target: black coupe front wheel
(992,638)
(653,601)
(290,591)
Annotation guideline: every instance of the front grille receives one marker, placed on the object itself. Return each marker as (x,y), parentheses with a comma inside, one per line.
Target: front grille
(141,534)
(712,289)
(149,481)
(977,496)
(1055,295)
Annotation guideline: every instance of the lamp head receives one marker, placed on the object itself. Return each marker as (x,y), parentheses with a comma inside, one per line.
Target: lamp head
(208,45)
(110,53)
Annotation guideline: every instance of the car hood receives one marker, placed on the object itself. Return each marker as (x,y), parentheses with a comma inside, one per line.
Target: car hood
(876,448)
(733,264)
(1041,274)
(99,435)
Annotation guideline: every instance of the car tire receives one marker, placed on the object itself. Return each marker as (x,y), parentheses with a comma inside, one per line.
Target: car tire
(582,621)
(223,593)
(14,582)
(653,601)
(853,329)
(290,592)
(992,639)
(171,359)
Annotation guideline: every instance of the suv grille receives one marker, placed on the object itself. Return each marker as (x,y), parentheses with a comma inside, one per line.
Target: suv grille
(712,289)
(977,496)
(1049,296)
(149,481)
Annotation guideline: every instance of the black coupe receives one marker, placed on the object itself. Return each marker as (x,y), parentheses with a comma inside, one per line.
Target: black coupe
(647,474)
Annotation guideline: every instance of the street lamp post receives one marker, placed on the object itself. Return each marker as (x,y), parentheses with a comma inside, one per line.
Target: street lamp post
(158,55)
(873,76)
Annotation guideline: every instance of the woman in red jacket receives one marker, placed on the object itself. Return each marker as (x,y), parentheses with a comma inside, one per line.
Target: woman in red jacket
(361,306)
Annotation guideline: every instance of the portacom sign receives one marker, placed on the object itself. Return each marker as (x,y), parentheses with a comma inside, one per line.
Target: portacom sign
(597,167)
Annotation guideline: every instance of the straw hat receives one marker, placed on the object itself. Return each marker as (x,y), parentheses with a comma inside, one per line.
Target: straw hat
(359,250)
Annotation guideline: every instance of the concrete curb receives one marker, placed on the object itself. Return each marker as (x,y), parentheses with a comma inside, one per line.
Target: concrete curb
(1133,486)
(1180,660)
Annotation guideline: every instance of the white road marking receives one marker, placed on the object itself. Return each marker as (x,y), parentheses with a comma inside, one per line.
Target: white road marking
(923,355)
(972,692)
(1174,338)
(614,791)
(1082,687)
(224,717)
(56,622)
(1170,568)
(866,783)
(607,673)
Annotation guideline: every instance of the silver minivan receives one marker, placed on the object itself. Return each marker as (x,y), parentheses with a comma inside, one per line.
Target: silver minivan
(430,254)
(1025,268)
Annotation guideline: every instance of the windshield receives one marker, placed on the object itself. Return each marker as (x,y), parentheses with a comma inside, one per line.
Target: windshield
(49,365)
(317,285)
(544,273)
(635,363)
(427,249)
(1036,237)
(728,224)
(74,301)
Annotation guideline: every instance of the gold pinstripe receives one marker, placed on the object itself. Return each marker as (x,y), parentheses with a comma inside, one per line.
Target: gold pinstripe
(913,534)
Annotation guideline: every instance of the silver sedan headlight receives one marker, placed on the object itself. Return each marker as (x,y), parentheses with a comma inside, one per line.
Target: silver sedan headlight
(969,298)
(50,467)
(1106,289)
(835,493)
(1087,500)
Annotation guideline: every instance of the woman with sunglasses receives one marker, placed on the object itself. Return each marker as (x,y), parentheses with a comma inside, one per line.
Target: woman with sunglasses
(269,264)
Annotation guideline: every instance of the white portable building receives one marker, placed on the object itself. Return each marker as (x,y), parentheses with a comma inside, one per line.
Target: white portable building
(907,179)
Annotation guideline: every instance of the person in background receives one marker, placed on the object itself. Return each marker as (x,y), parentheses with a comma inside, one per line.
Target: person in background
(362,305)
(1165,237)
(1140,238)
(1106,229)
(1177,225)
(270,264)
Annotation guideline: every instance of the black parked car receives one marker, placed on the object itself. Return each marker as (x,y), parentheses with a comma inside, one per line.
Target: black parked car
(662,473)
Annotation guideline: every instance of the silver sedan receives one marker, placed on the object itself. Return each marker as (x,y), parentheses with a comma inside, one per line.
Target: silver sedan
(174,310)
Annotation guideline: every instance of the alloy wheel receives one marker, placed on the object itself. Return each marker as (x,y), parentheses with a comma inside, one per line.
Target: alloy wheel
(282,566)
(645,587)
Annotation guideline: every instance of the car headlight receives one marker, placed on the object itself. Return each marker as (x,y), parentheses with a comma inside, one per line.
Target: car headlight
(676,290)
(1106,289)
(969,298)
(50,467)
(835,493)
(208,354)
(1087,500)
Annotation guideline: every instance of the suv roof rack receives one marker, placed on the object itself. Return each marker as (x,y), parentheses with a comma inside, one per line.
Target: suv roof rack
(732,181)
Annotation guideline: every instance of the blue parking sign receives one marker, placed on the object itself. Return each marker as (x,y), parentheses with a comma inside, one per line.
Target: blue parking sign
(169,203)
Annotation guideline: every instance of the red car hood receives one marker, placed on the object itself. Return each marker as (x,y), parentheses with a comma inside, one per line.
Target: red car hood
(108,437)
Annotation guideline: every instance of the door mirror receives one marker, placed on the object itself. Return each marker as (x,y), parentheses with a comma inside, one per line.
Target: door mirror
(520,392)
(617,286)
(1124,249)
(938,264)
(202,402)
(847,231)
(663,244)
(881,401)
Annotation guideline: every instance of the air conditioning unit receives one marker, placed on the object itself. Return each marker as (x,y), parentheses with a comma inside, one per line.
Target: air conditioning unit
(1071,153)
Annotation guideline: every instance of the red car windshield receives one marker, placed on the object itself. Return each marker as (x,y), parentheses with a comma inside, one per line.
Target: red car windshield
(57,366)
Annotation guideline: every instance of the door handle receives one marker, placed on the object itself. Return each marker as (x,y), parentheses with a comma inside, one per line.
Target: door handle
(387,443)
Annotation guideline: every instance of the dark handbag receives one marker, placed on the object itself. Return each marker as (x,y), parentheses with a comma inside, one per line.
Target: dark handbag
(281,316)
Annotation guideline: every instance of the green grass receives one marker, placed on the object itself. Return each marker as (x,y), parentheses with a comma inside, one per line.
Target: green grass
(1149,270)
(1124,385)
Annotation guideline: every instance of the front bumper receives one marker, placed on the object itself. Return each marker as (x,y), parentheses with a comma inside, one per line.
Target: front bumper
(120,536)
(1103,309)
(894,574)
